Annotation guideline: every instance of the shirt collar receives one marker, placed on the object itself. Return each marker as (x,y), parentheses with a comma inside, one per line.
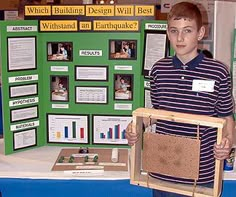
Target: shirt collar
(191,64)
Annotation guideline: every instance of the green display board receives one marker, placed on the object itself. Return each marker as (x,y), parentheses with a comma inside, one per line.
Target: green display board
(71,88)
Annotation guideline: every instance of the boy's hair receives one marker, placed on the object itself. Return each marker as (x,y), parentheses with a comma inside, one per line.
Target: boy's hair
(207,53)
(186,10)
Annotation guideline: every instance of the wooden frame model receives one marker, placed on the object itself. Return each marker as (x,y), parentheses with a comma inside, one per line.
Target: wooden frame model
(137,177)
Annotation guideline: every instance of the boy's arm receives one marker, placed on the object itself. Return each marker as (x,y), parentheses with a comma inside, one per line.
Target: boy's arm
(229,129)
(223,149)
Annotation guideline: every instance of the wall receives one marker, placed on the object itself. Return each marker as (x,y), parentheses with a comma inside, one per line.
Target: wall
(118,2)
(10,4)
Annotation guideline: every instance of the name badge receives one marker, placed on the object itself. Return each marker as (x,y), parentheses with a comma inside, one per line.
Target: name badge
(203,85)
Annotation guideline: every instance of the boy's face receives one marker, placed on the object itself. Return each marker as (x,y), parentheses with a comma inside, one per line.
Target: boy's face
(184,36)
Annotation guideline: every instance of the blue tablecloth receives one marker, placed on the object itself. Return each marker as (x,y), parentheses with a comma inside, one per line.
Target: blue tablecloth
(65,188)
(11,187)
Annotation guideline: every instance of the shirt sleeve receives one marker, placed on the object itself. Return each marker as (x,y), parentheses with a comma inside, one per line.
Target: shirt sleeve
(225,104)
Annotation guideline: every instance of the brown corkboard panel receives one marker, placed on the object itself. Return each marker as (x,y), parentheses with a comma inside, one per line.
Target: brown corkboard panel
(171,155)
(104,160)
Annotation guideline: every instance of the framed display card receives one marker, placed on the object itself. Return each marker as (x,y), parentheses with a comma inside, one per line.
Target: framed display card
(123,49)
(26,138)
(26,113)
(23,90)
(91,94)
(21,53)
(156,47)
(68,128)
(59,51)
(110,129)
(91,73)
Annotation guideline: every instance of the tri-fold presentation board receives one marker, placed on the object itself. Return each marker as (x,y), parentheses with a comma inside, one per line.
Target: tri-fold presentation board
(72,75)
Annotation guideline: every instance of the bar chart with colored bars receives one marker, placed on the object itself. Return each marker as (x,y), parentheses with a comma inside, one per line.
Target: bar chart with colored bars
(110,129)
(115,133)
(74,132)
(68,129)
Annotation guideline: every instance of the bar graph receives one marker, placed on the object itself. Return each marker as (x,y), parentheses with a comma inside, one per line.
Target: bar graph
(115,133)
(110,129)
(68,128)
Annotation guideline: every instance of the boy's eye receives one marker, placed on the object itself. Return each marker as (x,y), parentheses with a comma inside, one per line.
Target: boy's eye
(187,31)
(173,31)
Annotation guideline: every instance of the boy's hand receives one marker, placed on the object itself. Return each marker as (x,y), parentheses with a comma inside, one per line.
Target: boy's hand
(223,149)
(131,137)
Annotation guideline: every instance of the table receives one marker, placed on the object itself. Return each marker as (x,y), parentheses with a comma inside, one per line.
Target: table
(28,174)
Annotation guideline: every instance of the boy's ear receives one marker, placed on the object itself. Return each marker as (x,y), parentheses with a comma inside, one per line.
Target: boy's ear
(201,33)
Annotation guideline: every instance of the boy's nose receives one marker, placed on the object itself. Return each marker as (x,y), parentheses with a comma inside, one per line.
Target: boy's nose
(180,37)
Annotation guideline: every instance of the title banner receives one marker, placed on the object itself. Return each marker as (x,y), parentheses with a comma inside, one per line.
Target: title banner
(71,18)
(90,10)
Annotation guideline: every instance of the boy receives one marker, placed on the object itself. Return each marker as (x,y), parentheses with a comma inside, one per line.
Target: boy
(63,52)
(127,50)
(189,82)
